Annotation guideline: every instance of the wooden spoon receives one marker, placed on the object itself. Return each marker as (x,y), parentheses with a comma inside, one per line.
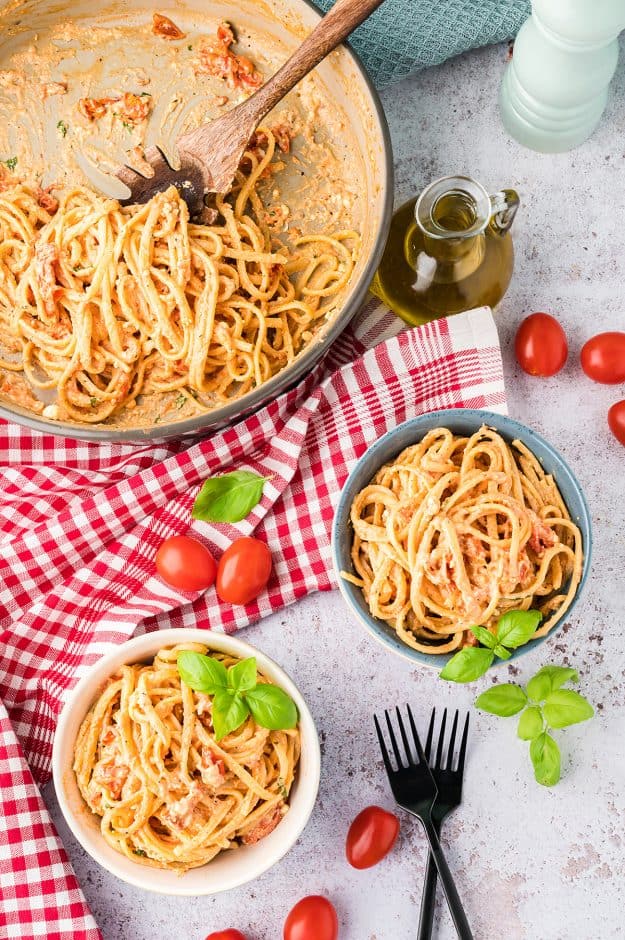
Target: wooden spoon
(210,155)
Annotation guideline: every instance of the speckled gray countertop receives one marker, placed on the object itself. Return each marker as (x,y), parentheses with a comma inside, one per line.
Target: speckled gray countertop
(531,863)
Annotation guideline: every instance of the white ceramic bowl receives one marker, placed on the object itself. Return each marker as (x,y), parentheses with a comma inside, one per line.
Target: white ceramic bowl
(230,868)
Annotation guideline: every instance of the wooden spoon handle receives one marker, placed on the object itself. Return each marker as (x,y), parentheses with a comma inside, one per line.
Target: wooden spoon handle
(335,26)
(235,127)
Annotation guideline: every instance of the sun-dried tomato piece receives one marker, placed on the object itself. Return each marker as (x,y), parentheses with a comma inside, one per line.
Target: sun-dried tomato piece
(163,26)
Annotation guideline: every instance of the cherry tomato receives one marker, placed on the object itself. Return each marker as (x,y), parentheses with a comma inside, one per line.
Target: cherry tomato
(226,935)
(185,563)
(616,420)
(243,571)
(540,345)
(603,358)
(371,836)
(312,918)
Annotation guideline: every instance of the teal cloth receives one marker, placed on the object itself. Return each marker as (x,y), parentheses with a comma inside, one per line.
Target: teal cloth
(405,35)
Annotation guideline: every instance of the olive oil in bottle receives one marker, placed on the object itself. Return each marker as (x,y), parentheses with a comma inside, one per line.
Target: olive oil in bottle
(449,250)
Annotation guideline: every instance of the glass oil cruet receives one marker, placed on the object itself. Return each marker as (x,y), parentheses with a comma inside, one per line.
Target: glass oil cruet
(449,250)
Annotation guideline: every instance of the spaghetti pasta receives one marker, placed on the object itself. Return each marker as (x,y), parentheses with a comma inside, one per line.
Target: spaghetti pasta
(103,304)
(146,761)
(455,532)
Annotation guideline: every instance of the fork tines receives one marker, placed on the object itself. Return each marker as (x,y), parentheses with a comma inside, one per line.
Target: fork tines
(450,761)
(409,755)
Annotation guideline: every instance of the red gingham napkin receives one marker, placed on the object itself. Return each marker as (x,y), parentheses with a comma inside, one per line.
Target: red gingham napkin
(80,524)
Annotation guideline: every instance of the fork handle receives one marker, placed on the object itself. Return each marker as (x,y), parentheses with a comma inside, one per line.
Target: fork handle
(453,898)
(428,896)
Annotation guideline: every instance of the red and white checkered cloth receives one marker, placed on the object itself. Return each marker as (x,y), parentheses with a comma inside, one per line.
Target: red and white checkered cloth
(80,524)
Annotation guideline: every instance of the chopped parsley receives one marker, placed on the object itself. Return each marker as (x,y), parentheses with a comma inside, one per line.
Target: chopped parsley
(10,164)
(281,787)
(95,402)
(62,128)
(145,94)
(181,401)
(157,419)
(140,852)
(125,124)
(190,48)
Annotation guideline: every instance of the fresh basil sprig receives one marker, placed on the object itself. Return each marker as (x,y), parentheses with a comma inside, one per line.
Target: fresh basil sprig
(514,629)
(544,705)
(228,498)
(237,693)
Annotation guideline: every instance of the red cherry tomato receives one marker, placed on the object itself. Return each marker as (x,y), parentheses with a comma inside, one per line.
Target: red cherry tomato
(371,836)
(185,563)
(603,358)
(540,345)
(312,918)
(243,571)
(226,935)
(616,420)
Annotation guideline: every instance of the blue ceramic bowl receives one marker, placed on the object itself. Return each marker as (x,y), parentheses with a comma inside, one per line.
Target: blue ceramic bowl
(462,421)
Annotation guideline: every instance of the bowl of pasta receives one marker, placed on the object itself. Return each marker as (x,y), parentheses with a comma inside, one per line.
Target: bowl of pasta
(168,787)
(449,521)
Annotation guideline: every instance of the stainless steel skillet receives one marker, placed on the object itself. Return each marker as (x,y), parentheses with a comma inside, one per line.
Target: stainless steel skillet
(366,149)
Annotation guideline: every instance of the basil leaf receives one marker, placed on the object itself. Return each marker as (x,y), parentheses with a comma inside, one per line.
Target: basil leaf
(202,673)
(503,700)
(228,498)
(229,712)
(565,707)
(242,676)
(516,627)
(548,679)
(468,664)
(485,637)
(530,723)
(502,652)
(545,755)
(271,707)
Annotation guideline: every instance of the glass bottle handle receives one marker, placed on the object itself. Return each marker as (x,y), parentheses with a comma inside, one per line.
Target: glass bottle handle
(504,205)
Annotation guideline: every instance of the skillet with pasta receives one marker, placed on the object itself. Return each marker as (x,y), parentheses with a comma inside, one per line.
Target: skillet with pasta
(132,316)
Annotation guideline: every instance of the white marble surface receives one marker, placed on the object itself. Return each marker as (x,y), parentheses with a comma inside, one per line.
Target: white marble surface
(531,863)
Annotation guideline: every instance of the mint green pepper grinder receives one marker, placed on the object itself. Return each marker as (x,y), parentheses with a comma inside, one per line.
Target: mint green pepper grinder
(555,88)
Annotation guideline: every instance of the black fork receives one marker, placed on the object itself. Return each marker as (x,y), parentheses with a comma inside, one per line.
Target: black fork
(414,789)
(448,781)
